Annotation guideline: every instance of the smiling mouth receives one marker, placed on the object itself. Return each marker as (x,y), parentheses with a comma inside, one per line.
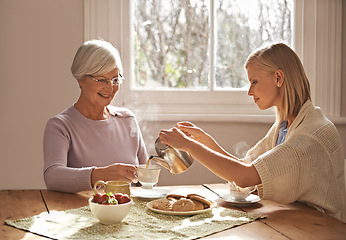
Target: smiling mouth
(105,95)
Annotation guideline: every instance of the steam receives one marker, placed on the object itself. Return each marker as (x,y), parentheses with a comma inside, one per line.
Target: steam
(134,131)
(240,149)
(146,120)
(146,117)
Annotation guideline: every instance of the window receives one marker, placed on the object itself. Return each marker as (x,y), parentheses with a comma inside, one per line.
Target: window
(175,42)
(201,74)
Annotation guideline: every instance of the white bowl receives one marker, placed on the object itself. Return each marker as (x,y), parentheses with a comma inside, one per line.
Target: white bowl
(110,214)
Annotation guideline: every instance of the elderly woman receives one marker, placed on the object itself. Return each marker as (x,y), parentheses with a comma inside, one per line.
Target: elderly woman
(92,140)
(300,158)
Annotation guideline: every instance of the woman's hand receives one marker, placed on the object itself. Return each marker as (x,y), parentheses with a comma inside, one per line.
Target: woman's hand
(115,172)
(175,138)
(195,132)
(200,136)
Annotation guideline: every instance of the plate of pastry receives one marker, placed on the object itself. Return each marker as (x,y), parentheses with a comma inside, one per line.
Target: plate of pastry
(174,204)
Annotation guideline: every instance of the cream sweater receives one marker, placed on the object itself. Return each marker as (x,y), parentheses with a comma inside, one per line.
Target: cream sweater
(307,167)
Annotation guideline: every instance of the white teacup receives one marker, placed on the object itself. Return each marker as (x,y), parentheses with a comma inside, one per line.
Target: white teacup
(148,176)
(239,193)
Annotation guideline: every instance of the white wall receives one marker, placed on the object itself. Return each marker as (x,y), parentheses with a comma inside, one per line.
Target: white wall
(38,41)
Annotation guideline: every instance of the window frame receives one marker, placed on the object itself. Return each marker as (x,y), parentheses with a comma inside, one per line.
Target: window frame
(317,33)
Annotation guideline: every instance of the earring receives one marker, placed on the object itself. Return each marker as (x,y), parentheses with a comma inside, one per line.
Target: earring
(278,85)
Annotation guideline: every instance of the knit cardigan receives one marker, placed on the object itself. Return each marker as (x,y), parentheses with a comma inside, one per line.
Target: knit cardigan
(307,167)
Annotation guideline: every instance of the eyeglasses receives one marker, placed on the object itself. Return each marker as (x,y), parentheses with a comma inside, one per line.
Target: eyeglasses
(115,81)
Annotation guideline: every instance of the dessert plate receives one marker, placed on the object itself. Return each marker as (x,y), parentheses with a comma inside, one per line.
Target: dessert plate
(185,213)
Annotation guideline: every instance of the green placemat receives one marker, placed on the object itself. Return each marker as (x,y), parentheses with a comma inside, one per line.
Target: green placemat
(141,223)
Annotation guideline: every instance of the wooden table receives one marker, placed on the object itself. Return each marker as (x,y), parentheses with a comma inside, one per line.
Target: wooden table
(284,221)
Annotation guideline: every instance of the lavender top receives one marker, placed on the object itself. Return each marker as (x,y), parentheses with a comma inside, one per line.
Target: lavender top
(74,145)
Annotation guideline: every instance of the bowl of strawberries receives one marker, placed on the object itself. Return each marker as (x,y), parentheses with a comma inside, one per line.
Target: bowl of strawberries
(110,208)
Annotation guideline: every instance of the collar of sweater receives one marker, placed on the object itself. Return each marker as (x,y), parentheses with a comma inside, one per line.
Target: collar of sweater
(306,108)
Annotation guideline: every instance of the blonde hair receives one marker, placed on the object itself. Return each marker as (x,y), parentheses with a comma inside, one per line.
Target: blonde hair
(95,57)
(295,85)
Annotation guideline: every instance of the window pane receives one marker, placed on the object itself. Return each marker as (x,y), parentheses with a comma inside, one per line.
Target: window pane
(171,41)
(243,26)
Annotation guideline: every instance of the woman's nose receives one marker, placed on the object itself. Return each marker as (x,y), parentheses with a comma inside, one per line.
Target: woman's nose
(115,88)
(110,85)
(249,92)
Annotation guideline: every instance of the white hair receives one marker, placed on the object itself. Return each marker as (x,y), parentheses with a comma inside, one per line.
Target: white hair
(95,57)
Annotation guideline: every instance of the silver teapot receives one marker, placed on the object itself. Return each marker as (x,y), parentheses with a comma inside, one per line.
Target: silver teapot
(176,161)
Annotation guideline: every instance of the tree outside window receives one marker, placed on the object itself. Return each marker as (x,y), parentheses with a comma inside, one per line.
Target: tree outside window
(203,44)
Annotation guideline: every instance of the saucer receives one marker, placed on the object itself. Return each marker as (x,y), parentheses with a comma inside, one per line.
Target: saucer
(155,192)
(252,198)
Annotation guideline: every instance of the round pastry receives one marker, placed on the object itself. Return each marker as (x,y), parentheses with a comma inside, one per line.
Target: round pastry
(198,205)
(163,204)
(183,205)
(206,203)
(174,196)
(188,196)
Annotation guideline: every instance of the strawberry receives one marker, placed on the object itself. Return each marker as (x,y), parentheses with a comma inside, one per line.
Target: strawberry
(103,198)
(118,196)
(110,199)
(124,199)
(97,198)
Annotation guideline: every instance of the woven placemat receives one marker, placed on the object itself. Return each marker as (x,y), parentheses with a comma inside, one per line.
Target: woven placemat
(141,222)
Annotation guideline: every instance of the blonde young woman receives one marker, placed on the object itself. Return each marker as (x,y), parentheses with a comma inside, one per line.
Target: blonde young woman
(93,140)
(300,158)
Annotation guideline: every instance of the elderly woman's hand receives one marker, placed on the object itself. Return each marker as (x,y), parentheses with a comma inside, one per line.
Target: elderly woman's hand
(115,172)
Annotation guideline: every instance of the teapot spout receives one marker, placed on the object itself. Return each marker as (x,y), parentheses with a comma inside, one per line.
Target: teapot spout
(160,161)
